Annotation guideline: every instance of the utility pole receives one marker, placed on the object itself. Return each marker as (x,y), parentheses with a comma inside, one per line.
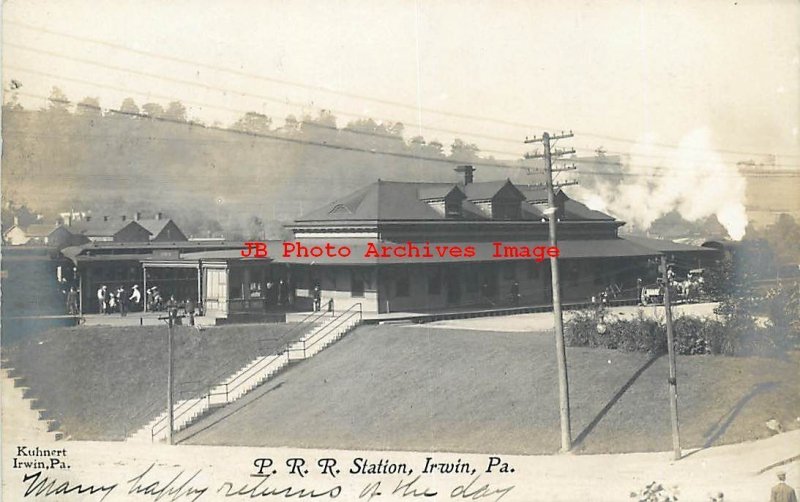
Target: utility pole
(552,216)
(170,319)
(170,378)
(673,382)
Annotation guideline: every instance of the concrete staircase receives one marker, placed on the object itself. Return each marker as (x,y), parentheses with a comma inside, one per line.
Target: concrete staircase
(187,411)
(322,336)
(24,417)
(252,375)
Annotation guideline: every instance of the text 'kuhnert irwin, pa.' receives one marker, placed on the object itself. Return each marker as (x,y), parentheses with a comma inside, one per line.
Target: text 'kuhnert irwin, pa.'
(407,250)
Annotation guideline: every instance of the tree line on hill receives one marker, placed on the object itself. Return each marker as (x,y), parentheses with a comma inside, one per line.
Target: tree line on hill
(246,178)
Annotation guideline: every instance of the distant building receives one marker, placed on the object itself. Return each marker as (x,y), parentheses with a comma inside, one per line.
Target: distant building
(40,234)
(108,229)
(161,229)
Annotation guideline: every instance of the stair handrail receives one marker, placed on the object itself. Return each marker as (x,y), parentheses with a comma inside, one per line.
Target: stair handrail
(181,405)
(343,317)
(227,371)
(229,387)
(143,411)
(193,402)
(274,357)
(284,348)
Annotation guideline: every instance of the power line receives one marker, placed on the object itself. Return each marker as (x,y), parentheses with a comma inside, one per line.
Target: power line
(414,108)
(378,152)
(199,104)
(311,124)
(300,141)
(264,97)
(674,146)
(665,157)
(240,73)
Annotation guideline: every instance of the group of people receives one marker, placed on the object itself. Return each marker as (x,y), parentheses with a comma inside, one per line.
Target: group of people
(277,294)
(110,301)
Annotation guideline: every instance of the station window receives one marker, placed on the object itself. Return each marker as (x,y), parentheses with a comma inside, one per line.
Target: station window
(534,270)
(471,282)
(356,284)
(401,284)
(509,270)
(237,283)
(435,281)
(452,208)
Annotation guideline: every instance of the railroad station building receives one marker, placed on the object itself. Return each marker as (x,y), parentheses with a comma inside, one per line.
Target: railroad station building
(592,255)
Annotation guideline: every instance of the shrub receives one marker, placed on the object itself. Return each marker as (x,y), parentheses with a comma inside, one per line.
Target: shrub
(635,335)
(692,336)
(581,329)
(782,307)
(696,336)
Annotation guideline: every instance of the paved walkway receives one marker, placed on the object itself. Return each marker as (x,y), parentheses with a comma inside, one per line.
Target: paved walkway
(137,319)
(543,321)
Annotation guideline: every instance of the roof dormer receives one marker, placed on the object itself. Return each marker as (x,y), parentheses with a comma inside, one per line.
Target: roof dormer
(445,200)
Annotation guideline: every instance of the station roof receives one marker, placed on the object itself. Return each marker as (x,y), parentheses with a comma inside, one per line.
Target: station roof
(385,201)
(666,246)
(587,248)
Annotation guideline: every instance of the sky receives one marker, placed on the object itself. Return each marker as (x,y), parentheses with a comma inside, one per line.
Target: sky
(614,72)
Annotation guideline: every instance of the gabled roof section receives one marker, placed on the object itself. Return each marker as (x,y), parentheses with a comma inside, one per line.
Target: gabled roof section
(39,229)
(469,211)
(154,226)
(157,227)
(435,191)
(538,194)
(405,201)
(531,212)
(98,228)
(12,227)
(383,200)
(574,210)
(487,190)
(662,245)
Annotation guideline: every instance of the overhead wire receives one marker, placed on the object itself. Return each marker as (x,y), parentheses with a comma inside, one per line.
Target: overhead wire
(414,108)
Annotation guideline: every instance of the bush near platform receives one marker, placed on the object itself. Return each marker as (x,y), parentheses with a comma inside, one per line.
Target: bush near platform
(693,336)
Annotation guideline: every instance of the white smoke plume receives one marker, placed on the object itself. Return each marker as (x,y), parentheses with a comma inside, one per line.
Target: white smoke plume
(692,180)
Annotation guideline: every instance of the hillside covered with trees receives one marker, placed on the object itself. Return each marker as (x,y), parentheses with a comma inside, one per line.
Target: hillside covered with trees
(244,178)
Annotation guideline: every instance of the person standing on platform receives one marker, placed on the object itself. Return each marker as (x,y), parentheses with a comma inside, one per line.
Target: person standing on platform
(189,307)
(102,299)
(72,301)
(172,309)
(281,292)
(122,299)
(317,298)
(136,298)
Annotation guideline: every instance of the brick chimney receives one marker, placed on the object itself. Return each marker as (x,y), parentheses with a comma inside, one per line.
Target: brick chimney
(467,170)
(105,217)
(124,217)
(137,216)
(159,216)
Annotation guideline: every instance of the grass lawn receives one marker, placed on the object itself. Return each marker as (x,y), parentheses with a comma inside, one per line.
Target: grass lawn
(417,388)
(104,383)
